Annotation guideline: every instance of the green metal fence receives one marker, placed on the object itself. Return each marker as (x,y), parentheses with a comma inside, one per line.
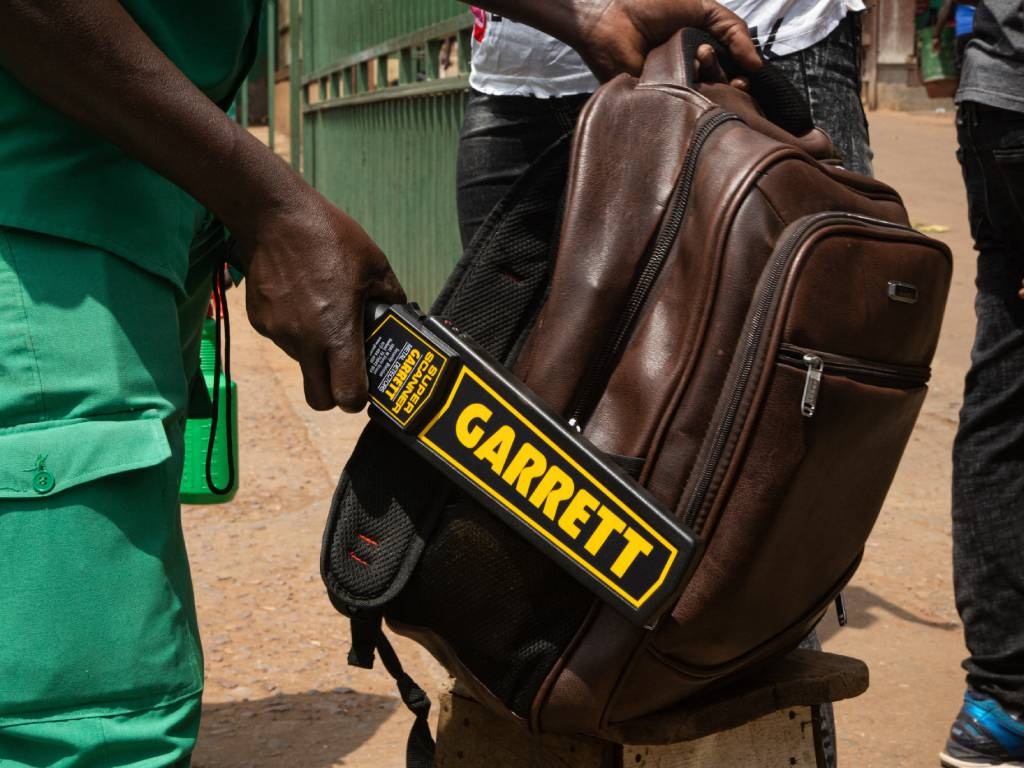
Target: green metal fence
(383,86)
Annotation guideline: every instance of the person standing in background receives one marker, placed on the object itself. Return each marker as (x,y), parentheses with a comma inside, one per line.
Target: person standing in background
(816,43)
(962,16)
(527,89)
(988,453)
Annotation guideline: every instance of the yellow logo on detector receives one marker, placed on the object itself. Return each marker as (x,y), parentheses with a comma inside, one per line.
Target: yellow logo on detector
(496,448)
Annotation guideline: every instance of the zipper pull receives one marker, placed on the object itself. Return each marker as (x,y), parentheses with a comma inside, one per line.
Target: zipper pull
(811,384)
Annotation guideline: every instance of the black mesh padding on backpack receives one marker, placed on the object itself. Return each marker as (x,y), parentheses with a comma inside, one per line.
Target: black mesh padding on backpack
(507,610)
(775,94)
(371,543)
(497,288)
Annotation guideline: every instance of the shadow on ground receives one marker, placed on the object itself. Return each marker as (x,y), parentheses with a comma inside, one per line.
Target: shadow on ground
(315,729)
(862,609)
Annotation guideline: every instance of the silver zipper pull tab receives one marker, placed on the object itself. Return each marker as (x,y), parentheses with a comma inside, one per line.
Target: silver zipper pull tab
(811,384)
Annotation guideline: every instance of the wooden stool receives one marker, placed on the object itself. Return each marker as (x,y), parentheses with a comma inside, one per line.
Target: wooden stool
(763,722)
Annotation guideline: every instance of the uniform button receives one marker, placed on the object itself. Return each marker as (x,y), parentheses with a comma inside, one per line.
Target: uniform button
(43,482)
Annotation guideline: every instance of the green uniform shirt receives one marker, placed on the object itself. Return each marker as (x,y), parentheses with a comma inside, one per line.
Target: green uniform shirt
(59,178)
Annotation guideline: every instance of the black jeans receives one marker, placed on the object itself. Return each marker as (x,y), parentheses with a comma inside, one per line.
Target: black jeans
(501,137)
(988,454)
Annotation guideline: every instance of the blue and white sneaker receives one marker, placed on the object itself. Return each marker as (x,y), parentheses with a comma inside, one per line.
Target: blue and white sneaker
(984,734)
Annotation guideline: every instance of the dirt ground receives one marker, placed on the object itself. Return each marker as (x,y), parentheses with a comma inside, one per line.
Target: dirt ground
(279,693)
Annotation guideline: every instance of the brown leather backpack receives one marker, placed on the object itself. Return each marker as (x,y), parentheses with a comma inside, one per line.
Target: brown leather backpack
(743,324)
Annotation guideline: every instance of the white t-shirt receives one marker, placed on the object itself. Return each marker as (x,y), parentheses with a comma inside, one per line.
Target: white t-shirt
(512,59)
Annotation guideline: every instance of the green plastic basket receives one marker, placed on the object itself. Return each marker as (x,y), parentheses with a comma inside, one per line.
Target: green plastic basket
(194,489)
(938,64)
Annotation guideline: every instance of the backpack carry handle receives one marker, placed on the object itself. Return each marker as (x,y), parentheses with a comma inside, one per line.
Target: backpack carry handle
(777,97)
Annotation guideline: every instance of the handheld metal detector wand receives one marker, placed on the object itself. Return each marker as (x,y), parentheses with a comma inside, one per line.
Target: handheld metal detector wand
(474,421)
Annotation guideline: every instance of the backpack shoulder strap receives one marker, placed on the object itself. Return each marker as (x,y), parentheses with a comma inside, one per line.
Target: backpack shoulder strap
(382,513)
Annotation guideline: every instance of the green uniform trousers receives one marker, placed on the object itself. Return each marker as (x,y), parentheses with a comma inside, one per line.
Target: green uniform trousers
(100,662)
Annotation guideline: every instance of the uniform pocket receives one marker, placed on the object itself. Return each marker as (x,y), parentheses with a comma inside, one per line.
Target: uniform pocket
(46,458)
(96,614)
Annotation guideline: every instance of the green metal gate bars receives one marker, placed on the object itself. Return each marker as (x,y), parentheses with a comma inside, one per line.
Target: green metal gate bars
(382,96)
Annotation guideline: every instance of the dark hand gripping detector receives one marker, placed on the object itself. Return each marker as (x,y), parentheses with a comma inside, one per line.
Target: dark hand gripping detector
(475,422)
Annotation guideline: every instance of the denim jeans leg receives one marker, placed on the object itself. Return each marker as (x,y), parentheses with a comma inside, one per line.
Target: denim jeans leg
(828,74)
(988,454)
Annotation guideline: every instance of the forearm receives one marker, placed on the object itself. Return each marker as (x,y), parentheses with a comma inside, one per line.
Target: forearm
(945,14)
(93,62)
(615,36)
(309,266)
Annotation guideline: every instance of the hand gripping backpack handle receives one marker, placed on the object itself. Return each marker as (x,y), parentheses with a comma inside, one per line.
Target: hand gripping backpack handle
(777,97)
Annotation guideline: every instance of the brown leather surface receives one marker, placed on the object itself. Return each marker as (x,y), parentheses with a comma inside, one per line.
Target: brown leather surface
(601,210)
(665,65)
(792,500)
(900,333)
(791,505)
(666,68)
(801,678)
(815,143)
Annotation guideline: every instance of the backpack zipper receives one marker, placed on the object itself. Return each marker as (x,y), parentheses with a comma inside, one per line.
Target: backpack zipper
(601,370)
(812,384)
(751,344)
(817,363)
